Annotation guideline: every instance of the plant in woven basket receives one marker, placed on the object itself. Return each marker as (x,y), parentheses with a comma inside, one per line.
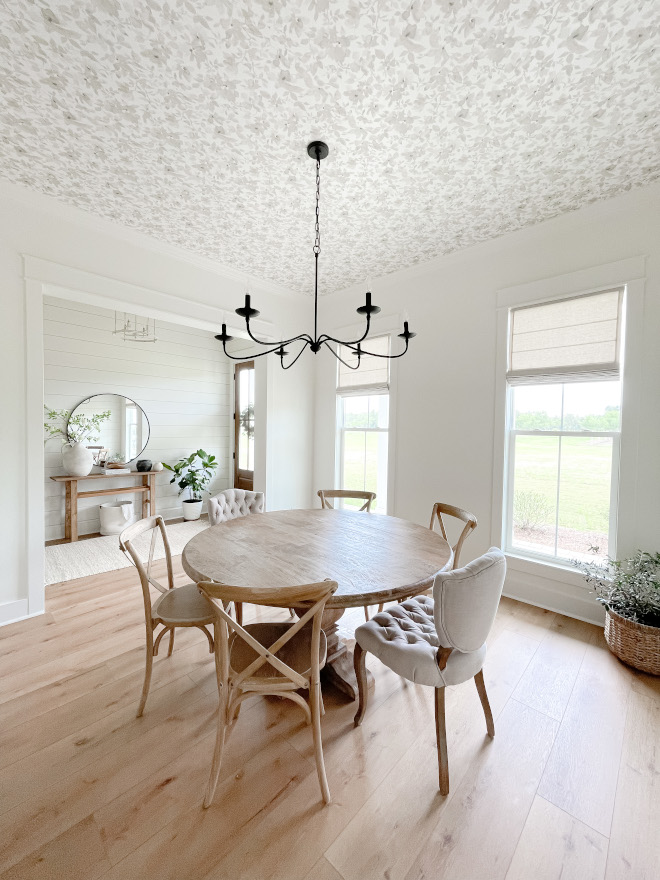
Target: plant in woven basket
(629,587)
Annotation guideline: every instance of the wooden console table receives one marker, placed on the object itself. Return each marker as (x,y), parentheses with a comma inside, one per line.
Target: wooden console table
(147,487)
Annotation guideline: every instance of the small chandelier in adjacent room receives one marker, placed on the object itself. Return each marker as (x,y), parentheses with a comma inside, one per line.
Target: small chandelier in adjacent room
(317,150)
(133,328)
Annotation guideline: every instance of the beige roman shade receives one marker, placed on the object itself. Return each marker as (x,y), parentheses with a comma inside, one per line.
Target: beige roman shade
(374,373)
(568,340)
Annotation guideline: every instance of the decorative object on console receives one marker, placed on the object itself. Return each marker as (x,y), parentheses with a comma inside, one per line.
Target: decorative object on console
(194,476)
(116,470)
(316,150)
(144,464)
(75,428)
(157,466)
(77,459)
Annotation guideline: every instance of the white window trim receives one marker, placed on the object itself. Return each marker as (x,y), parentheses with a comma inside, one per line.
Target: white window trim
(629,274)
(390,325)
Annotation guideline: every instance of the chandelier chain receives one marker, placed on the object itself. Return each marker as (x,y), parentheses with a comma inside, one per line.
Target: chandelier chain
(317,228)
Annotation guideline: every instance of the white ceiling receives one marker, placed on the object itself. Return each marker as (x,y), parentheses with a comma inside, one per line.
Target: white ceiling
(449,122)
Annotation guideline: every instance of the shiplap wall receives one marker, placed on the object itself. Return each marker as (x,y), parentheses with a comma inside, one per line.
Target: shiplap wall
(182,382)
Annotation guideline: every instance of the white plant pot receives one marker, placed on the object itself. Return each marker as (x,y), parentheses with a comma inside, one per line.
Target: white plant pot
(77,459)
(115,516)
(192,509)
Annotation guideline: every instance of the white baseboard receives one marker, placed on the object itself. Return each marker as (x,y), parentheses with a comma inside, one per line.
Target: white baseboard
(11,612)
(554,596)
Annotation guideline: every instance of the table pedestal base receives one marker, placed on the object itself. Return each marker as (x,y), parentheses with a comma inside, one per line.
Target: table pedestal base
(338,670)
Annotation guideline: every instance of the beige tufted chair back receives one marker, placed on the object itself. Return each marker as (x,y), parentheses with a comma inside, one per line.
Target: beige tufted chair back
(466,599)
(233,503)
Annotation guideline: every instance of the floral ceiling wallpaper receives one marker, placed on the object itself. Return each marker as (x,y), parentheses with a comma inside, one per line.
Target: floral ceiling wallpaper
(449,122)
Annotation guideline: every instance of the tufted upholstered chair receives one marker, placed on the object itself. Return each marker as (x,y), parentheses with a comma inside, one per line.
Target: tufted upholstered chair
(438,641)
(232,503)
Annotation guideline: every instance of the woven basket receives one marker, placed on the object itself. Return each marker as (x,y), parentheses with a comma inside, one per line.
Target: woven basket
(636,644)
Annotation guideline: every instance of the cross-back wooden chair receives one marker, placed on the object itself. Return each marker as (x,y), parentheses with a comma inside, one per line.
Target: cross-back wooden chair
(327,495)
(440,509)
(269,658)
(174,606)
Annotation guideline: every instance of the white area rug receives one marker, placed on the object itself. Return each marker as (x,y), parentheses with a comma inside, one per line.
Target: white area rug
(64,562)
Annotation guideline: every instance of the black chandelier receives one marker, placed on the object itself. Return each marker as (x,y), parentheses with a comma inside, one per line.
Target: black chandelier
(316,150)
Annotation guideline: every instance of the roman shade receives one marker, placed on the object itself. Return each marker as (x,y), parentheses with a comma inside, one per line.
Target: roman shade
(575,339)
(374,373)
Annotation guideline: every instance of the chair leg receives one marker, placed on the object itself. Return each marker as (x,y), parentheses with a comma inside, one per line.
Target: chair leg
(483,696)
(209,637)
(219,747)
(147,674)
(441,736)
(366,612)
(360,666)
(171,646)
(238,607)
(315,698)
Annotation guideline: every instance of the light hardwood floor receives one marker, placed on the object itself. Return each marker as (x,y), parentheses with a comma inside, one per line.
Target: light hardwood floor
(569,788)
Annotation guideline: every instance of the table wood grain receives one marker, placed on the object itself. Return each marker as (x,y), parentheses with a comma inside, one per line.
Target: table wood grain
(373,558)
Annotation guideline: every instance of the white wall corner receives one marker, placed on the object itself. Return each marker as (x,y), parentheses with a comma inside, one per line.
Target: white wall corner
(34,472)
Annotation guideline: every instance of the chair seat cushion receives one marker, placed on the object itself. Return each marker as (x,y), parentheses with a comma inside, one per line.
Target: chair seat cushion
(404,638)
(296,653)
(185,605)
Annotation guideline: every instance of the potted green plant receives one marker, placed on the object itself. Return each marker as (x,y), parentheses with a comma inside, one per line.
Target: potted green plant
(630,591)
(194,474)
(74,431)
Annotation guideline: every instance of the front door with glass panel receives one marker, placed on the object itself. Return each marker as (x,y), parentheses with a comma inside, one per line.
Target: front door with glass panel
(244,426)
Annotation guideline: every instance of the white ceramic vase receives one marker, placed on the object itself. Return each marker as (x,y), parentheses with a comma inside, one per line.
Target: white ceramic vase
(192,509)
(77,459)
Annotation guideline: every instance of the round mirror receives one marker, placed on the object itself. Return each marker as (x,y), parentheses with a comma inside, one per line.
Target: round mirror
(122,427)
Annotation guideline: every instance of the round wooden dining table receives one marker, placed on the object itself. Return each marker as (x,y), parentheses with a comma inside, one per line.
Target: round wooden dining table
(373,558)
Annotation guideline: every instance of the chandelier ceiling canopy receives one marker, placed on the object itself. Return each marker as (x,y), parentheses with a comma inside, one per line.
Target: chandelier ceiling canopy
(317,150)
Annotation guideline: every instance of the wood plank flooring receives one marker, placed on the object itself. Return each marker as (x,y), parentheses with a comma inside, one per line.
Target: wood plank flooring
(569,788)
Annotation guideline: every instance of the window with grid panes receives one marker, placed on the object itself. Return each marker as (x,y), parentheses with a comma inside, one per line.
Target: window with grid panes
(363,398)
(563,427)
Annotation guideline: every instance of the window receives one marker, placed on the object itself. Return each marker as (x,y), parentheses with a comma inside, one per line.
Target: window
(563,426)
(363,423)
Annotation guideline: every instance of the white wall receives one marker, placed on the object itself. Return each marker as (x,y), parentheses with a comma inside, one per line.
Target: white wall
(66,248)
(290,422)
(445,419)
(182,382)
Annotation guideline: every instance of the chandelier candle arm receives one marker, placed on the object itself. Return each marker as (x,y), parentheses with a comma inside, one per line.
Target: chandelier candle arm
(224,338)
(316,150)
